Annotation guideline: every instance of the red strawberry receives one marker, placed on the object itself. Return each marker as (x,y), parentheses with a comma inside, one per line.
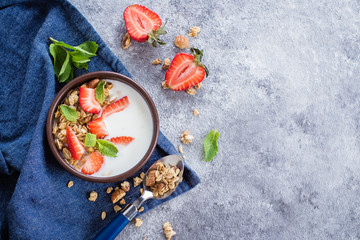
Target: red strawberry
(123,140)
(98,128)
(75,146)
(88,100)
(116,106)
(143,24)
(186,70)
(93,163)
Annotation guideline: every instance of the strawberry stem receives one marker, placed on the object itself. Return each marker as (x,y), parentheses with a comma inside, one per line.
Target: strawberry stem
(198,54)
(154,36)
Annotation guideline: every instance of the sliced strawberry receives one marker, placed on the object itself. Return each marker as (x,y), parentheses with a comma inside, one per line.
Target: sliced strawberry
(88,100)
(143,24)
(186,70)
(116,106)
(93,163)
(75,146)
(98,128)
(123,140)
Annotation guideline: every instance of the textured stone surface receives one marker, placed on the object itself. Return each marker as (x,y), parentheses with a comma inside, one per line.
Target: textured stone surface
(284,94)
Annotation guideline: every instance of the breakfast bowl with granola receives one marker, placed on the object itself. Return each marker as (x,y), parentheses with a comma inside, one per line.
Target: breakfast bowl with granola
(102,127)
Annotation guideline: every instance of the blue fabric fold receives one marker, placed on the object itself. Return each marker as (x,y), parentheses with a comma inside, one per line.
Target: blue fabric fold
(35,202)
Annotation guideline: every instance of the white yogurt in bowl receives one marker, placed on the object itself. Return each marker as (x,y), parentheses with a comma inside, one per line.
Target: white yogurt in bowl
(134,121)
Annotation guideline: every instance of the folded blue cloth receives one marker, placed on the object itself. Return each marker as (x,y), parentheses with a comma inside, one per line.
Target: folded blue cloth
(35,202)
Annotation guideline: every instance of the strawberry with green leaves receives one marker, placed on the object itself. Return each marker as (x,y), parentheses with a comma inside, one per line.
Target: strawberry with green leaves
(142,24)
(186,70)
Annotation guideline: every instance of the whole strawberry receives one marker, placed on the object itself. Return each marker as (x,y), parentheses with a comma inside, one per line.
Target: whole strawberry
(143,24)
(186,70)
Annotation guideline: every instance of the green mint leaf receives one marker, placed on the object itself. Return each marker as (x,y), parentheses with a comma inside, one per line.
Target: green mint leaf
(87,48)
(107,148)
(90,140)
(66,69)
(210,145)
(69,113)
(100,92)
(59,56)
(65,60)
(90,47)
(81,65)
(79,57)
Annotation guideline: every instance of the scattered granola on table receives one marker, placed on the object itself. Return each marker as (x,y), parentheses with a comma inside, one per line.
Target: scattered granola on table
(138,222)
(194,31)
(125,186)
(117,208)
(122,201)
(126,41)
(198,86)
(166,63)
(157,61)
(164,86)
(93,196)
(181,42)
(141,209)
(117,195)
(137,181)
(191,91)
(186,138)
(142,175)
(109,190)
(162,179)
(70,184)
(141,190)
(196,112)
(181,149)
(168,230)
(103,215)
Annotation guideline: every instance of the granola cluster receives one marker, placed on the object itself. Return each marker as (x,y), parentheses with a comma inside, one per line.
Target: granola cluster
(157,61)
(192,90)
(186,138)
(166,63)
(125,41)
(162,179)
(79,126)
(168,230)
(181,42)
(194,31)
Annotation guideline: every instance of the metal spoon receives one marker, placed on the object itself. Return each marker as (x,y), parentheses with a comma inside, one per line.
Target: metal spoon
(120,222)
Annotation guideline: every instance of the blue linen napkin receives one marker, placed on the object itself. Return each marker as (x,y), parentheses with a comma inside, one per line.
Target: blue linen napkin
(35,202)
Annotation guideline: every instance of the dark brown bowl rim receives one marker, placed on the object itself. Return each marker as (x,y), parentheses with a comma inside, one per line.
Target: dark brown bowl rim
(77,82)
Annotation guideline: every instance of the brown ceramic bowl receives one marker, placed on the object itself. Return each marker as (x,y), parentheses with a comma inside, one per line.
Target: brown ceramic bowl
(78,82)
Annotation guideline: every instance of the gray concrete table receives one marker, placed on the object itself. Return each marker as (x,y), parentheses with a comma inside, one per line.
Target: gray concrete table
(284,93)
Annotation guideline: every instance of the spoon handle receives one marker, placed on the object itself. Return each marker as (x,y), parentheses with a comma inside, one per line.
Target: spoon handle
(113,228)
(120,221)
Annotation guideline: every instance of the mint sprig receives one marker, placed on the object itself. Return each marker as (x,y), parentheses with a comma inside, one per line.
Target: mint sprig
(210,145)
(100,92)
(65,60)
(69,113)
(90,140)
(107,148)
